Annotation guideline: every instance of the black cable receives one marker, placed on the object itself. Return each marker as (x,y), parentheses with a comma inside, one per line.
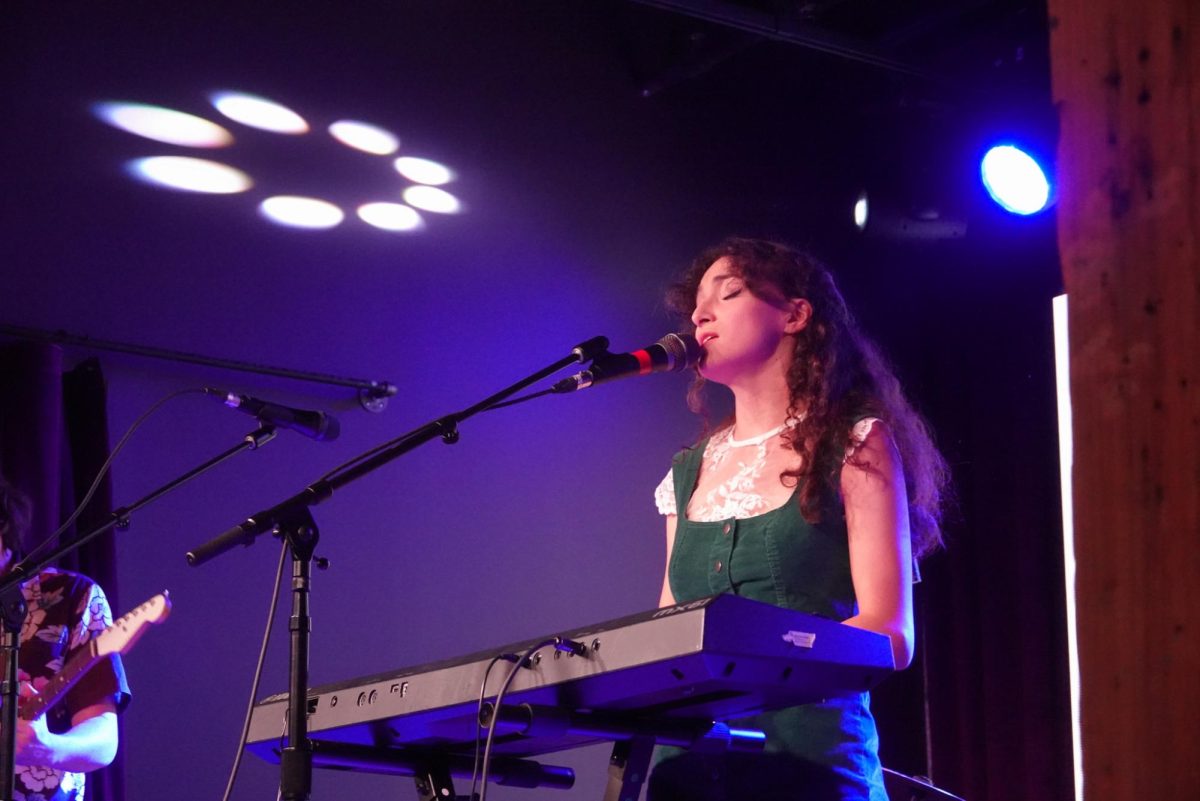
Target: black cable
(258,671)
(104,468)
(560,643)
(396,440)
(478,715)
(521,399)
(362,457)
(487,749)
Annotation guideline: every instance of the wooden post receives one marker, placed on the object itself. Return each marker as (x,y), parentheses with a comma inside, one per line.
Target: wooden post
(1126,78)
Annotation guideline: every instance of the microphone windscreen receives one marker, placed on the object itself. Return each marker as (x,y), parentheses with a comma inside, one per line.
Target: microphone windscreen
(683,349)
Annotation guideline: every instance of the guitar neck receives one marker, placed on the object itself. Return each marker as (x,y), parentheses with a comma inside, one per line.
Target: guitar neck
(116,639)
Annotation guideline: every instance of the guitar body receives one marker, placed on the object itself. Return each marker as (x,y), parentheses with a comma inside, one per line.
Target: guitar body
(119,638)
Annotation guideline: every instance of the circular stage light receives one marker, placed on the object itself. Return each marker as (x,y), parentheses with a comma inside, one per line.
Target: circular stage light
(301,212)
(1015,180)
(430,198)
(163,124)
(862,211)
(390,216)
(200,175)
(424,171)
(258,112)
(367,138)
(190,174)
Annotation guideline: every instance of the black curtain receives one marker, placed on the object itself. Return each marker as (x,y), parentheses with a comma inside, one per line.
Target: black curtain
(985,708)
(995,600)
(53,439)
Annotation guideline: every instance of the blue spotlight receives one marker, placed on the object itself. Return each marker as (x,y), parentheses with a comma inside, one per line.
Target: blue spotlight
(1015,180)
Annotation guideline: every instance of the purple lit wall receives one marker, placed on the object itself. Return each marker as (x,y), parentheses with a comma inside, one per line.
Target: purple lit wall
(582,199)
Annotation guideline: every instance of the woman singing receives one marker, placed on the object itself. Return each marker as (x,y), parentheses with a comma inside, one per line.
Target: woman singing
(816,494)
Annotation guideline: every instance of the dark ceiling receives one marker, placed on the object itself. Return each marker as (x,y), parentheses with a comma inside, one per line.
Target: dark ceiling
(687,116)
(936,50)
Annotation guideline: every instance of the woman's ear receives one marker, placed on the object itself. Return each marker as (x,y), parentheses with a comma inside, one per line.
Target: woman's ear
(799,313)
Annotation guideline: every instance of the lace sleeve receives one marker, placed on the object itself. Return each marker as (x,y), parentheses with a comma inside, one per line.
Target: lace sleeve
(860,432)
(664,496)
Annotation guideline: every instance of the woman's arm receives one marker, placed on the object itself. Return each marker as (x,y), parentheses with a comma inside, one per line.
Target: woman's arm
(880,546)
(666,597)
(90,743)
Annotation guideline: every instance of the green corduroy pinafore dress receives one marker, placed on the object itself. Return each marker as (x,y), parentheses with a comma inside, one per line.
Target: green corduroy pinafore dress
(825,750)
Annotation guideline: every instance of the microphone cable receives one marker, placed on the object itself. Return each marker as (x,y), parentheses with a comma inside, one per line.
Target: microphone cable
(559,643)
(522,399)
(479,714)
(258,672)
(104,468)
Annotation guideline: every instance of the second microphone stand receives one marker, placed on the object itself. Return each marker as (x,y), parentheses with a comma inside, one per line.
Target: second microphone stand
(292,520)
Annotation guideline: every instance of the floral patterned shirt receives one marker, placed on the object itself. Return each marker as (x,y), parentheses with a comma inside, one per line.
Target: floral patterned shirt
(64,611)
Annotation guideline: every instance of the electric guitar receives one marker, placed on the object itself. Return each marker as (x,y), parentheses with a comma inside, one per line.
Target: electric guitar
(116,639)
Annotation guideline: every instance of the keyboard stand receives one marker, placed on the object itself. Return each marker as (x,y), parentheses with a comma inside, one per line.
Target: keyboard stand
(433,770)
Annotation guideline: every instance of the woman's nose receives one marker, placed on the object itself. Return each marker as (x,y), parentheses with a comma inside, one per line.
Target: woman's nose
(701,315)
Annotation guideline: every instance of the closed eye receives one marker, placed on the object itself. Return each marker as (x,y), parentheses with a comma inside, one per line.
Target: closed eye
(732,294)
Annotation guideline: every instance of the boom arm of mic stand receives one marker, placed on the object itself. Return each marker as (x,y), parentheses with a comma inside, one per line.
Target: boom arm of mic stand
(246,532)
(296,764)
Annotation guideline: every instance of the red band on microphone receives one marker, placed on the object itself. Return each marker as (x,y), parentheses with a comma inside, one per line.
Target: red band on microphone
(644,363)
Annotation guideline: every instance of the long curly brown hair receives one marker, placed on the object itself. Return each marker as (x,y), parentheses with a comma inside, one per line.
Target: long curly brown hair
(837,377)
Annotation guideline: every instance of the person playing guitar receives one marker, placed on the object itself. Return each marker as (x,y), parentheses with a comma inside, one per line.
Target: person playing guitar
(65,611)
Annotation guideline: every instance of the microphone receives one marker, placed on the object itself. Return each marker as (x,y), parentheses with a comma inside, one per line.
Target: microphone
(672,353)
(317,425)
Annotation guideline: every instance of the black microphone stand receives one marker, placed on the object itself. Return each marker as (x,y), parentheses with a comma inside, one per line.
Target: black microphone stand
(12,602)
(292,520)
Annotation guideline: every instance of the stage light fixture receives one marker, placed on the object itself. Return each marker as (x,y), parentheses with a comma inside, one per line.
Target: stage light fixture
(1015,180)
(908,216)
(862,211)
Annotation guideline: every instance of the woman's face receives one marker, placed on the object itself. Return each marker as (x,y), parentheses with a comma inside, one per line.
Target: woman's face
(741,333)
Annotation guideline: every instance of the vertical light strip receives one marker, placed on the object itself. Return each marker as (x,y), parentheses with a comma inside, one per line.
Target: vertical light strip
(1062,372)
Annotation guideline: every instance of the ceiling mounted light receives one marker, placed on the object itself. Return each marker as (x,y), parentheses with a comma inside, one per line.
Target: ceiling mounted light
(862,211)
(1015,180)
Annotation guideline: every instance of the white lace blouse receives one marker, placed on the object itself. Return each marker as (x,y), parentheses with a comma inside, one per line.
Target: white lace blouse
(739,496)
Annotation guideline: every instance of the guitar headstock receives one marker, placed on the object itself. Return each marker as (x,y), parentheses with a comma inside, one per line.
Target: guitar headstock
(125,630)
